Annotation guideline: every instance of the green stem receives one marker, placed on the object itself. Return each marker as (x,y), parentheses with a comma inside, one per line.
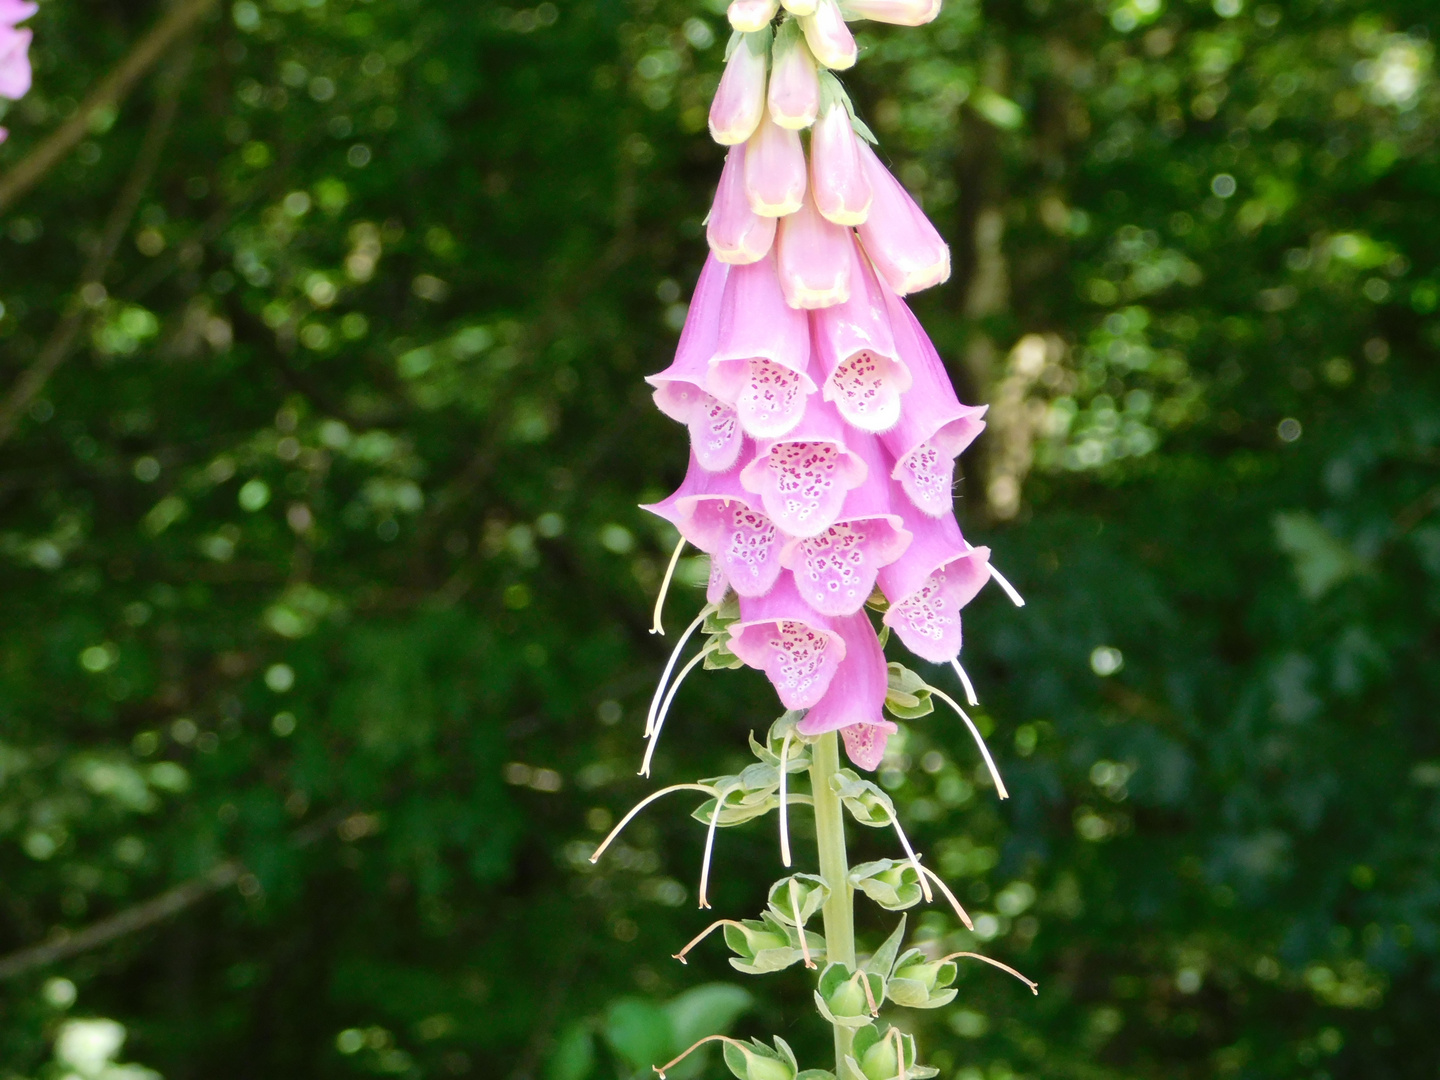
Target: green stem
(839,910)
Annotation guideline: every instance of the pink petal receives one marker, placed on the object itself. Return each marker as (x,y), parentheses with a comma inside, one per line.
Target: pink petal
(14,62)
(856,695)
(865,743)
(934,427)
(740,99)
(837,179)
(797,648)
(815,262)
(898,237)
(802,479)
(761,360)
(864,374)
(774,169)
(736,233)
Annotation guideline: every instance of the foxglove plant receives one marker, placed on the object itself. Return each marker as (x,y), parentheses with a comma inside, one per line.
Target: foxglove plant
(14,51)
(823,437)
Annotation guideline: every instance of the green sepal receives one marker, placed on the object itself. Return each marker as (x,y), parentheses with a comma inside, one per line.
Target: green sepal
(884,957)
(756,1061)
(841,999)
(798,759)
(726,613)
(811,894)
(877,600)
(718,656)
(764,945)
(736,811)
(873,1056)
(867,804)
(917,982)
(786,38)
(757,41)
(894,884)
(884,636)
(816,1074)
(907,696)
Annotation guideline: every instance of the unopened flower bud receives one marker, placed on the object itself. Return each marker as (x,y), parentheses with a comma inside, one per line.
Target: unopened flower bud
(794,94)
(817,262)
(736,234)
(740,99)
(799,8)
(838,182)
(756,1061)
(747,16)
(774,169)
(898,237)
(828,36)
(895,12)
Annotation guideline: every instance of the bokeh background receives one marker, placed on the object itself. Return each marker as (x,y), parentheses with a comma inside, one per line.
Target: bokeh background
(325,591)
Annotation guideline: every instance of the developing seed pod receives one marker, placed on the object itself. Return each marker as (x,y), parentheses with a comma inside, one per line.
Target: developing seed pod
(756,1061)
(917,982)
(764,945)
(888,1055)
(893,884)
(848,997)
(799,895)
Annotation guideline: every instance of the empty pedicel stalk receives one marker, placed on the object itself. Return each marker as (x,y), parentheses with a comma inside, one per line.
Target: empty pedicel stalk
(824,434)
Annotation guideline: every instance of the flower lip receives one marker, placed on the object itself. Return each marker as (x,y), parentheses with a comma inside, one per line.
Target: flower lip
(864,372)
(798,648)
(802,479)
(855,699)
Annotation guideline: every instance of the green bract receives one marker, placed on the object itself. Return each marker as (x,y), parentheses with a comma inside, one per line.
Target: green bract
(894,884)
(765,944)
(867,804)
(907,695)
(756,1061)
(808,894)
(920,983)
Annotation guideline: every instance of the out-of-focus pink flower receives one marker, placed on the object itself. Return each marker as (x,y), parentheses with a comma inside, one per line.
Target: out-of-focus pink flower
(761,360)
(803,478)
(936,576)
(680,390)
(895,12)
(712,511)
(816,266)
(837,181)
(853,702)
(835,571)
(934,427)
(740,99)
(736,233)
(898,237)
(798,648)
(863,372)
(14,60)
(828,36)
(774,169)
(794,94)
(747,16)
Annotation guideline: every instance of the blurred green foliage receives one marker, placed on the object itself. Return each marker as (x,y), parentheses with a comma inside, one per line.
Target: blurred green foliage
(320,551)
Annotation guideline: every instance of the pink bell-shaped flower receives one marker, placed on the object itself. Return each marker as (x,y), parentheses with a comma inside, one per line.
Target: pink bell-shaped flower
(898,237)
(934,427)
(797,648)
(680,392)
(936,576)
(895,12)
(736,233)
(774,169)
(748,16)
(863,372)
(837,179)
(761,360)
(815,261)
(854,702)
(802,479)
(828,36)
(15,60)
(712,511)
(740,99)
(794,94)
(835,571)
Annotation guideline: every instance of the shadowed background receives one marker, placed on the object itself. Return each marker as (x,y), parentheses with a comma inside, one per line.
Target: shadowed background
(325,589)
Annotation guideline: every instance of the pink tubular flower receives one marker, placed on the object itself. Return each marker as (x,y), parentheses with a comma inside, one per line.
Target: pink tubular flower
(898,237)
(712,511)
(740,99)
(816,268)
(863,372)
(937,575)
(856,695)
(736,233)
(835,571)
(828,36)
(837,180)
(895,12)
(761,360)
(934,428)
(15,74)
(797,648)
(748,16)
(794,94)
(680,391)
(803,478)
(774,169)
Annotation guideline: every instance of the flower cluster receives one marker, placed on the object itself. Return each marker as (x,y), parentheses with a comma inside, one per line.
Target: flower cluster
(823,425)
(14,51)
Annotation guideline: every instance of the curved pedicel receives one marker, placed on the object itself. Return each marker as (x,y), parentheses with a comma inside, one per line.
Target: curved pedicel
(854,701)
(802,479)
(797,648)
(862,369)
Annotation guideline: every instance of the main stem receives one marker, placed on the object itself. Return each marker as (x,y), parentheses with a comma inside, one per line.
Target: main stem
(839,911)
